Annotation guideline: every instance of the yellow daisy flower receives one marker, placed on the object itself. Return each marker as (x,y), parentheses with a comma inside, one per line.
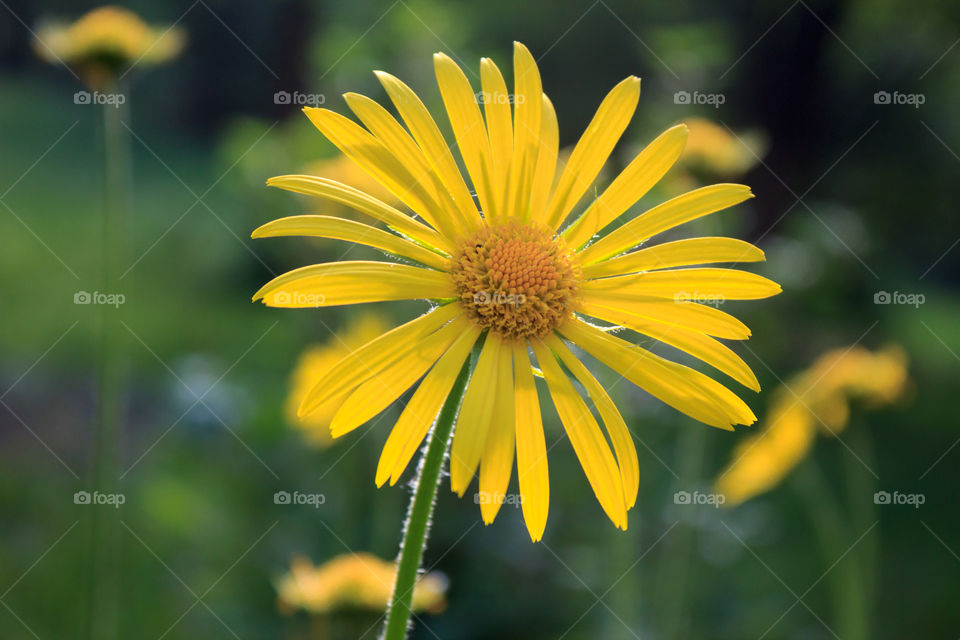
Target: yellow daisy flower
(717,150)
(352,580)
(504,271)
(106,40)
(815,401)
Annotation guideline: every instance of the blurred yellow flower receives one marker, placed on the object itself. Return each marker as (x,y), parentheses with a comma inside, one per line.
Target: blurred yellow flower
(345,171)
(354,580)
(713,151)
(815,400)
(315,361)
(105,41)
(714,148)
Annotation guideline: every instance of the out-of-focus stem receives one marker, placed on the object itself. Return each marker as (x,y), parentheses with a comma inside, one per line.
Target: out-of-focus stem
(103,593)
(846,578)
(675,568)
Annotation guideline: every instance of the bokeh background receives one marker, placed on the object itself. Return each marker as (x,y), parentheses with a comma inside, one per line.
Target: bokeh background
(856,195)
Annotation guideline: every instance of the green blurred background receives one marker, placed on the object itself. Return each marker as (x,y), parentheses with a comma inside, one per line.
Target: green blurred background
(854,197)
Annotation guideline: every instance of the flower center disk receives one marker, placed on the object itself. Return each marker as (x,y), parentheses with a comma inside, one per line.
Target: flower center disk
(516,279)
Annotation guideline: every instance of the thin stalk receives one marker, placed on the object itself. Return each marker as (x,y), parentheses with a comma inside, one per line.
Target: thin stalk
(626,599)
(846,579)
(861,485)
(674,593)
(103,593)
(417,525)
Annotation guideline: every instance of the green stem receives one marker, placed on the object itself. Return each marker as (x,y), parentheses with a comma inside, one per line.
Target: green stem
(846,579)
(861,483)
(419,515)
(677,561)
(103,593)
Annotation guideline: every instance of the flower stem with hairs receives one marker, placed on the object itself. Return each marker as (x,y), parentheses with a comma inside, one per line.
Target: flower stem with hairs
(417,525)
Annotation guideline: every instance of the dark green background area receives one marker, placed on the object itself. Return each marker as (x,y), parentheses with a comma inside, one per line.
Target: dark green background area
(853,198)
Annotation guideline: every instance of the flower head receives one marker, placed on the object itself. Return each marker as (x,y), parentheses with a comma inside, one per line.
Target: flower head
(815,401)
(511,277)
(105,41)
(354,580)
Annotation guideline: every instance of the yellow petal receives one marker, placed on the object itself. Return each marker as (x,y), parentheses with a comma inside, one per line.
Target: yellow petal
(700,284)
(497,461)
(373,157)
(672,213)
(695,343)
(468,128)
(398,142)
(672,313)
(679,253)
(617,429)
(588,442)
(528,108)
(633,183)
(496,107)
(546,168)
(532,471)
(593,149)
(683,388)
(418,416)
(373,357)
(358,200)
(476,412)
(427,134)
(381,390)
(354,282)
(351,231)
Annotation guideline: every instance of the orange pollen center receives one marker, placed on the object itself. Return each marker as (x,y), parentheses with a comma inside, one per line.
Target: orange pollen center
(516,279)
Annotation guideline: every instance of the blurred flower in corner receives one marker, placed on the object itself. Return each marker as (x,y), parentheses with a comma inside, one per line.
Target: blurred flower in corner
(106,41)
(816,400)
(353,580)
(314,362)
